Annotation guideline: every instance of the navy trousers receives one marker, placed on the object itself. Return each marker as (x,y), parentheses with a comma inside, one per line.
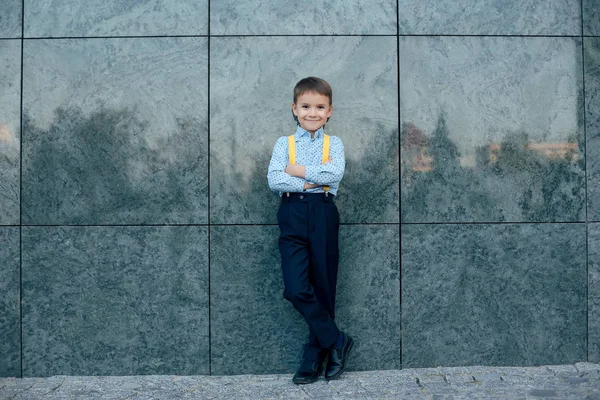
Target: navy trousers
(309,224)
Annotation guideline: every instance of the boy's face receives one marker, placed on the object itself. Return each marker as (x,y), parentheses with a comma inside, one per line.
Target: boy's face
(312,110)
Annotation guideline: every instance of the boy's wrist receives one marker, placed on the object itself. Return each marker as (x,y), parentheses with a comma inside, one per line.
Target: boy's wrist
(298,171)
(310,185)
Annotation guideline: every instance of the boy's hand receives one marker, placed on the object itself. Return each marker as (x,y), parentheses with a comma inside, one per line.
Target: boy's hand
(298,171)
(310,185)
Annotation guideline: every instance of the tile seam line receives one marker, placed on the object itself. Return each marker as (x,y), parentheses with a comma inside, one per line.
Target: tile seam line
(187,36)
(177,225)
(498,223)
(208,194)
(111,225)
(21,193)
(400,35)
(485,35)
(585,182)
(290,35)
(399,184)
(113,37)
(274,224)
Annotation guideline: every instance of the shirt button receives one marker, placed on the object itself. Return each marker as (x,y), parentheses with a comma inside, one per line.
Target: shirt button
(301,197)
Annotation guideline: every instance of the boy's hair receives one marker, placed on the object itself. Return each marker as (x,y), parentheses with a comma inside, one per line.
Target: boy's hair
(313,84)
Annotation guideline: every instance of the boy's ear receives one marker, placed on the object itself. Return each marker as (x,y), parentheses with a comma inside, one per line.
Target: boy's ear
(294,112)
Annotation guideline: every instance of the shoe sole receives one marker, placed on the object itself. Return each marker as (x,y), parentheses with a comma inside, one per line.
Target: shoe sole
(336,376)
(306,382)
(310,381)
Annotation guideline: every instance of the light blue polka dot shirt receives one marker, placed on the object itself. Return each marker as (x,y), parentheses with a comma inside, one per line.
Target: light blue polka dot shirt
(308,153)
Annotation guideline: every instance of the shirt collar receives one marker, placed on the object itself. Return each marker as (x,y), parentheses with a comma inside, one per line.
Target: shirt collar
(300,132)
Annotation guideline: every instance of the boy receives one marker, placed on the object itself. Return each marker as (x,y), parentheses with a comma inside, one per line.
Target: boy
(305,170)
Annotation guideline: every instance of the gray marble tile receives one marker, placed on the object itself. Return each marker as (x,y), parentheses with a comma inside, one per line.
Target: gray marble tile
(115,301)
(594,293)
(61,18)
(591,17)
(279,17)
(115,131)
(10,345)
(592,118)
(10,18)
(492,129)
(489,17)
(10,137)
(368,294)
(493,294)
(251,108)
(255,330)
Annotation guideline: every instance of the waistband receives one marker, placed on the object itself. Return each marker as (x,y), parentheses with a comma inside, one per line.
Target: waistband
(289,197)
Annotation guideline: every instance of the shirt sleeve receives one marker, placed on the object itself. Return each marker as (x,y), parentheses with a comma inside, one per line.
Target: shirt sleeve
(330,173)
(279,180)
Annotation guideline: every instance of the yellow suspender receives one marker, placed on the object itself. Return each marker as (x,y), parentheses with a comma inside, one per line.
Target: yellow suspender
(324,158)
(292,149)
(326,142)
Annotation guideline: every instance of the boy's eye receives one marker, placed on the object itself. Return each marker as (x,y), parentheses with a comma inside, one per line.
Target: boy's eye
(304,106)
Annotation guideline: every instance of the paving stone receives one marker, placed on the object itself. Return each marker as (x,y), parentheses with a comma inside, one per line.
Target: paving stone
(543,393)
(585,366)
(581,381)
(486,377)
(562,368)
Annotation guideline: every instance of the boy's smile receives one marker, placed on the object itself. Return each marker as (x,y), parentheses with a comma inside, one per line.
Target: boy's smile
(312,110)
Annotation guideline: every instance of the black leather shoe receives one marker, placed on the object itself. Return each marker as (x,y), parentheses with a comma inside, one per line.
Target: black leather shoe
(308,372)
(337,359)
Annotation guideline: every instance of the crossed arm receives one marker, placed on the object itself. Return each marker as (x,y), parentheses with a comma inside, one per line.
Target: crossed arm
(299,171)
(284,177)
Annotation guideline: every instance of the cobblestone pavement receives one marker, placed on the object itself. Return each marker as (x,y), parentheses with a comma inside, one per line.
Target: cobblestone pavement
(579,381)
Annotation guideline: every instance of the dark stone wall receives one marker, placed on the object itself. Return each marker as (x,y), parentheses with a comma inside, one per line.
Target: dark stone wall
(139,234)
